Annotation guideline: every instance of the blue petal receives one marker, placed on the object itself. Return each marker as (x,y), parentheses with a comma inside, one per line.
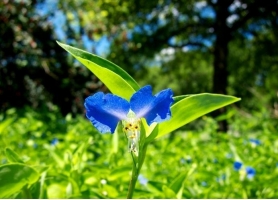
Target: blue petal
(142,180)
(105,111)
(255,141)
(250,171)
(152,108)
(237,165)
(54,141)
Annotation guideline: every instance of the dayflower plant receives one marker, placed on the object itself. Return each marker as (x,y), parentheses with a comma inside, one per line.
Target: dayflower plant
(247,171)
(143,117)
(105,111)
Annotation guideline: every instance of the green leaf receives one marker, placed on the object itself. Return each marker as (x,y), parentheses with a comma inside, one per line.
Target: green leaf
(56,191)
(13,177)
(42,183)
(59,160)
(12,156)
(181,97)
(115,139)
(5,124)
(153,133)
(119,173)
(178,183)
(155,187)
(168,193)
(117,80)
(192,107)
(111,191)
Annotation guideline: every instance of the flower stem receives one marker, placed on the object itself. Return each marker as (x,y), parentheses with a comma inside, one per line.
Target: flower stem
(133,180)
(137,164)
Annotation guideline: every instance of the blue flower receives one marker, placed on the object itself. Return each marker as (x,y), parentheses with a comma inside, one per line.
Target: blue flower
(221,178)
(255,141)
(54,142)
(142,180)
(250,172)
(106,110)
(204,184)
(237,165)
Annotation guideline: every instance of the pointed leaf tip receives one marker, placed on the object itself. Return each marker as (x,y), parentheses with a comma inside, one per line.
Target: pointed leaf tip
(117,80)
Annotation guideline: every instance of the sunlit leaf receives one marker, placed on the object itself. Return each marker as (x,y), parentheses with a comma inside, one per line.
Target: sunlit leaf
(6,123)
(168,192)
(190,108)
(117,80)
(61,163)
(13,177)
(12,156)
(177,184)
(56,190)
(155,187)
(119,173)
(181,97)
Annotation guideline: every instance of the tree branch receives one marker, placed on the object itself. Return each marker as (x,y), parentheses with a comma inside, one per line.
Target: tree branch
(253,11)
(179,46)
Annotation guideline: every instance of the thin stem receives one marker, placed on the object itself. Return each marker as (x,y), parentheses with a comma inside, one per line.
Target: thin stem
(135,171)
(133,180)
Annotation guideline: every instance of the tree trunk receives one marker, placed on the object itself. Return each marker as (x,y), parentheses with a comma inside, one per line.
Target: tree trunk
(223,37)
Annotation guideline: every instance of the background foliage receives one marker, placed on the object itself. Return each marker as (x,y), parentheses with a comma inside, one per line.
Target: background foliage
(176,44)
(76,161)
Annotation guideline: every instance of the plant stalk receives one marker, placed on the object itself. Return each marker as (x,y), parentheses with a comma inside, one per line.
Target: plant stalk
(137,164)
(133,180)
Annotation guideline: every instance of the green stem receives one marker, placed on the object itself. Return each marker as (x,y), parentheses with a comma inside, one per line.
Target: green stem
(137,164)
(133,180)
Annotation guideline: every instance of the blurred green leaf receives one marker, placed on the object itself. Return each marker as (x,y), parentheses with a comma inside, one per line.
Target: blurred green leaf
(42,183)
(12,156)
(178,183)
(190,108)
(168,192)
(61,163)
(6,123)
(120,172)
(110,191)
(117,80)
(13,177)
(155,187)
(56,190)
(40,168)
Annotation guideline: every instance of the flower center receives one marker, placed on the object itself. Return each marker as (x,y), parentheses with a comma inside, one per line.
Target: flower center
(131,127)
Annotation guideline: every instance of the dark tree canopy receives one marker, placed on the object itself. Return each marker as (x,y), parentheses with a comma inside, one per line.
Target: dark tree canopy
(220,46)
(34,70)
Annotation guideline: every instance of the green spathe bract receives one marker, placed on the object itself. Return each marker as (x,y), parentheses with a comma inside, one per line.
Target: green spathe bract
(185,109)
